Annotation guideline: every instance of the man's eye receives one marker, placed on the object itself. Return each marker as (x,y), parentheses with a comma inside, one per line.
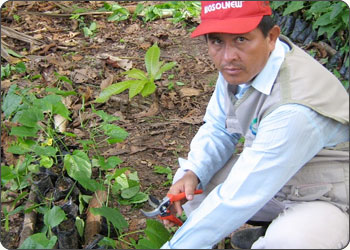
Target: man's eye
(215,41)
(241,39)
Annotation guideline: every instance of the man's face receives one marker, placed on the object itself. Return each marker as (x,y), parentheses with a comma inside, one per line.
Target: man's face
(240,57)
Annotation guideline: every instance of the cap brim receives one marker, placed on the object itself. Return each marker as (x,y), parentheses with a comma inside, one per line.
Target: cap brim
(233,26)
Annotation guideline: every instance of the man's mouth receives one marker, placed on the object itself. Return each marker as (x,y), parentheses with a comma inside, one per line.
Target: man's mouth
(232,70)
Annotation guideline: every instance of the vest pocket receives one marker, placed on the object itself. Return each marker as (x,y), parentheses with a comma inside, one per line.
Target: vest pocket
(319,181)
(232,125)
(309,192)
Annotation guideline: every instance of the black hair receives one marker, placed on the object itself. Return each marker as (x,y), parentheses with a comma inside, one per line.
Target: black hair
(266,24)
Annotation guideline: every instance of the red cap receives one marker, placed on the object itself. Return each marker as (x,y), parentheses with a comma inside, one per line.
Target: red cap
(235,17)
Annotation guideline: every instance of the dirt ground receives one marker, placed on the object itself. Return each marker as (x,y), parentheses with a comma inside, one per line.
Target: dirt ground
(160,126)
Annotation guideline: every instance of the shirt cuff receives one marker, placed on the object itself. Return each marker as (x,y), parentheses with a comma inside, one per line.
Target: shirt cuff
(187,165)
(166,245)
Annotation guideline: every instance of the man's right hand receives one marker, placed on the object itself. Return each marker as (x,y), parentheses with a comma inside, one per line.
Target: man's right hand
(188,184)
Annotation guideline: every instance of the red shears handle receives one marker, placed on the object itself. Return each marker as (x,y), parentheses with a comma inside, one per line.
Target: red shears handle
(182,195)
(177,197)
(173,219)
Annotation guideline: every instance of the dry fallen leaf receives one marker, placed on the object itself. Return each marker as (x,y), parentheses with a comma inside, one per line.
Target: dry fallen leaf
(116,61)
(132,28)
(189,92)
(106,82)
(153,110)
(80,75)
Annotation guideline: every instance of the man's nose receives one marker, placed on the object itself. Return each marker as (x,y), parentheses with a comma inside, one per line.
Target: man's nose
(230,53)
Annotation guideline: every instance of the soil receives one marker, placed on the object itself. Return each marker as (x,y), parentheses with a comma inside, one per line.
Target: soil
(160,126)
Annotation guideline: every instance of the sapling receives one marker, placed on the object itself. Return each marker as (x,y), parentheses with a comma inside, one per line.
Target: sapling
(142,82)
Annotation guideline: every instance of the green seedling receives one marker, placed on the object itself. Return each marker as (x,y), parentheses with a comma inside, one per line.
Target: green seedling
(126,187)
(156,235)
(142,83)
(119,13)
(112,215)
(45,240)
(166,171)
(91,30)
(7,70)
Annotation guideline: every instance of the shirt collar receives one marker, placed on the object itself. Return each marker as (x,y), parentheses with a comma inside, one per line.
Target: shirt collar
(264,81)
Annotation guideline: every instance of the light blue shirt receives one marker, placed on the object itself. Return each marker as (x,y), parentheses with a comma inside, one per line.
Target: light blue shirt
(289,136)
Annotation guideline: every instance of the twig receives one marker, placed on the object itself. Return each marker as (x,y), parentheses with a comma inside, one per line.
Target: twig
(93,222)
(68,15)
(29,218)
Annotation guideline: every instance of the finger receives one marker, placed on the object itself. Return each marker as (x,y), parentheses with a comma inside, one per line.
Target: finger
(168,223)
(178,207)
(189,191)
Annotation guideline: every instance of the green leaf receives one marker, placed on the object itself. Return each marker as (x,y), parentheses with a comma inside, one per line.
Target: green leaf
(113,215)
(6,175)
(136,73)
(89,184)
(122,180)
(116,173)
(119,14)
(293,7)
(136,88)
(60,92)
(24,131)
(276,4)
(318,7)
(11,102)
(108,242)
(13,53)
(63,78)
(162,170)
(38,241)
(113,89)
(140,197)
(345,18)
(117,133)
(93,26)
(106,117)
(18,149)
(164,68)
(80,224)
(323,20)
(156,232)
(54,216)
(23,146)
(148,89)
(111,163)
(87,32)
(46,161)
(152,60)
(157,235)
(20,67)
(53,103)
(78,165)
(337,9)
(130,192)
(45,150)
(61,109)
(31,117)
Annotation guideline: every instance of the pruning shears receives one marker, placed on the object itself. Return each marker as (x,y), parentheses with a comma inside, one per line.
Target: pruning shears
(162,207)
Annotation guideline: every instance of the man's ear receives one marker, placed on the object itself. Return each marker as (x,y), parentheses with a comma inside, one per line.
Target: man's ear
(273,34)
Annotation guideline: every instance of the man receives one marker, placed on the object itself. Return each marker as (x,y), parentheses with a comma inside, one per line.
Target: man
(293,114)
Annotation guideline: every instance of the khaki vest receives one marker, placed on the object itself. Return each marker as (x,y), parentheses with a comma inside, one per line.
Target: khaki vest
(301,80)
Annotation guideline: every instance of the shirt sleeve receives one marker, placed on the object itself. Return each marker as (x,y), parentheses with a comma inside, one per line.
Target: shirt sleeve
(286,139)
(212,146)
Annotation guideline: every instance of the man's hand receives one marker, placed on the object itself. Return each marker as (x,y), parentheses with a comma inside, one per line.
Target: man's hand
(188,184)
